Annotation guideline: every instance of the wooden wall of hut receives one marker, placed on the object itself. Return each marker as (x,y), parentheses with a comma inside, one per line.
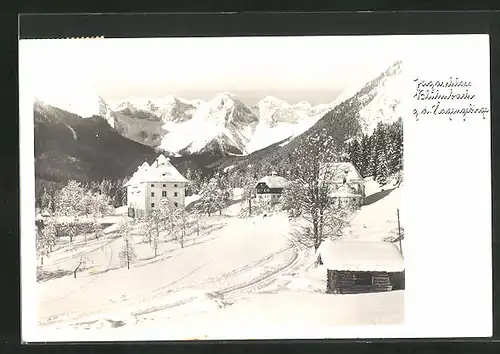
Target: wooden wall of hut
(344,282)
(397,280)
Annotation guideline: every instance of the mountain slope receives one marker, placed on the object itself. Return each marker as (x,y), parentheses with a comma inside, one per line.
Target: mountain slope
(378,101)
(222,125)
(70,147)
(279,120)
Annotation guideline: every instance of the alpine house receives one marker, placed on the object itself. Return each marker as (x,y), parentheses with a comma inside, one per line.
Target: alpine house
(152,184)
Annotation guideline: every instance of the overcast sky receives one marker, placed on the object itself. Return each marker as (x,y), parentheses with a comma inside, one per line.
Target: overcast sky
(315,69)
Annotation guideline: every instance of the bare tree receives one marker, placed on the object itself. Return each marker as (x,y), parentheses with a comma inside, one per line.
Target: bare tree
(154,242)
(196,217)
(82,262)
(155,221)
(167,214)
(182,225)
(308,196)
(127,252)
(97,228)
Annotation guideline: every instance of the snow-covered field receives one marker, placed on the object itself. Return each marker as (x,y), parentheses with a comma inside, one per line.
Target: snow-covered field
(238,271)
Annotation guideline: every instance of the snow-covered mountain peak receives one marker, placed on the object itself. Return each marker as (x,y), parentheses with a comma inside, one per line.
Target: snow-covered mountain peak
(303,105)
(385,103)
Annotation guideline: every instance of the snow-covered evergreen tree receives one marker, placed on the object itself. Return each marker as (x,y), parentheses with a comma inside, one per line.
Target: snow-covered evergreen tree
(69,199)
(382,169)
(223,192)
(46,201)
(46,239)
(371,169)
(209,196)
(365,156)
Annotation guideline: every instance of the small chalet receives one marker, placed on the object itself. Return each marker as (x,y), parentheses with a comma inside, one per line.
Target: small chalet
(269,188)
(362,267)
(348,186)
(152,184)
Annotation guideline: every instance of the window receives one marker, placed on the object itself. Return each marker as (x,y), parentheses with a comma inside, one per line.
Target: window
(176,204)
(164,185)
(152,185)
(152,194)
(363,279)
(175,185)
(163,194)
(152,205)
(175,194)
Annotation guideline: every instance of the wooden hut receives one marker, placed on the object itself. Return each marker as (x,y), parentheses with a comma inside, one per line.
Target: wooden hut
(361,267)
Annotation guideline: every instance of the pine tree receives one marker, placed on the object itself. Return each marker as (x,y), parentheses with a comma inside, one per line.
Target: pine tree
(105,187)
(46,201)
(69,199)
(208,196)
(46,239)
(372,162)
(364,156)
(355,153)
(382,169)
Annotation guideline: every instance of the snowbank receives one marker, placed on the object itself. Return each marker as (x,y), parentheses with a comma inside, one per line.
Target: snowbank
(376,220)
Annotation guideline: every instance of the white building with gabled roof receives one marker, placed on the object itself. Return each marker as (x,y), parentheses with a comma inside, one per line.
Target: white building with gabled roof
(152,184)
(270,188)
(347,184)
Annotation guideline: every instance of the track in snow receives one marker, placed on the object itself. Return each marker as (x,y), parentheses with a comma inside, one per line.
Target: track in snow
(252,285)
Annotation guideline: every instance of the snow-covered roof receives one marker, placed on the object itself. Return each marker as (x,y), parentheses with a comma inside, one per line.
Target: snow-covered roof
(273,181)
(361,256)
(164,173)
(161,170)
(345,191)
(336,171)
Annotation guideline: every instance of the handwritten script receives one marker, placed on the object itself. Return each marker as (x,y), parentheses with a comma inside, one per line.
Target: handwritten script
(452,98)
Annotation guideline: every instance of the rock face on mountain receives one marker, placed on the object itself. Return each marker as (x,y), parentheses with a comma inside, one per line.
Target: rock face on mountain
(353,115)
(68,146)
(261,135)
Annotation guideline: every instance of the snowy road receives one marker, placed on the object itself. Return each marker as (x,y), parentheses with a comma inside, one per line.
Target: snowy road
(239,256)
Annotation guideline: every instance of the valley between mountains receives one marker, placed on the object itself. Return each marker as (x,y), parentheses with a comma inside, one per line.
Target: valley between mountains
(110,139)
